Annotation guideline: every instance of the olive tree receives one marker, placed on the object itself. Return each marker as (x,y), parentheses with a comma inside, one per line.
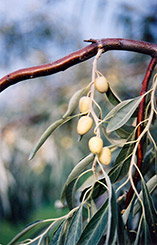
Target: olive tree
(110,199)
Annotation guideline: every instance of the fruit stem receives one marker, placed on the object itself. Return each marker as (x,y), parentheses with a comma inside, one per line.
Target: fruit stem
(92,91)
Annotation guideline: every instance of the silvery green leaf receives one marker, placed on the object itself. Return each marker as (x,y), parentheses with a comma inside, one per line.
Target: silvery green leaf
(94,230)
(75,228)
(112,97)
(45,135)
(48,132)
(76,172)
(150,212)
(125,131)
(58,235)
(151,186)
(123,113)
(116,109)
(27,229)
(74,101)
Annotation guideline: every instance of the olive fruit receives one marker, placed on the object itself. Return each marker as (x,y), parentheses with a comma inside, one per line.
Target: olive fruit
(95,144)
(84,104)
(105,156)
(84,125)
(101,84)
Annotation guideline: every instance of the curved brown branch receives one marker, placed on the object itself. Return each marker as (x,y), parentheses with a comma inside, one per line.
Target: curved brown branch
(140,118)
(77,57)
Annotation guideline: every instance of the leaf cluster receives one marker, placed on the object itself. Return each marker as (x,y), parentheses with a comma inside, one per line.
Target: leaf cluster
(97,201)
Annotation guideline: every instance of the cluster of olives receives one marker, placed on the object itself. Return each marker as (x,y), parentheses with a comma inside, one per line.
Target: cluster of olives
(85,123)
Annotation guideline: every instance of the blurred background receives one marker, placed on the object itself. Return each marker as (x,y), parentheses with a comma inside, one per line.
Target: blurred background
(35,32)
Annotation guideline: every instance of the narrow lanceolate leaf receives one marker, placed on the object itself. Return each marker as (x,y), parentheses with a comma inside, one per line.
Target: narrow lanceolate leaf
(151,186)
(128,212)
(112,97)
(121,165)
(139,231)
(45,135)
(113,139)
(146,236)
(95,229)
(75,228)
(69,195)
(121,234)
(112,219)
(74,101)
(123,114)
(125,131)
(149,160)
(116,109)
(97,190)
(27,229)
(150,212)
(57,237)
(76,172)
(112,214)
(143,235)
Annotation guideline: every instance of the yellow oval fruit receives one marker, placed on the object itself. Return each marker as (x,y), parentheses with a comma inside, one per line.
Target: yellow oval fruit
(84,125)
(101,84)
(84,104)
(105,156)
(95,144)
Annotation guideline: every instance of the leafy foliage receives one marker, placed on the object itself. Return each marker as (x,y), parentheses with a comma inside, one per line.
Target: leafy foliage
(95,195)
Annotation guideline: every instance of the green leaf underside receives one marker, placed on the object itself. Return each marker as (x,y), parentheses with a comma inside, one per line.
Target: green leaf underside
(68,194)
(128,212)
(73,103)
(71,190)
(150,212)
(57,238)
(98,190)
(121,234)
(151,186)
(95,229)
(84,163)
(75,228)
(113,138)
(123,113)
(146,237)
(112,218)
(116,109)
(121,164)
(125,131)
(112,97)
(27,229)
(149,160)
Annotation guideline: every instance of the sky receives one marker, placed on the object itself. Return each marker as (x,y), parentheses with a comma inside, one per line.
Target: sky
(84,13)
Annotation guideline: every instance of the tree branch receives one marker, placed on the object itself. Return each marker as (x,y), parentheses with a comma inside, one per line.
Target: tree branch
(140,118)
(78,57)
